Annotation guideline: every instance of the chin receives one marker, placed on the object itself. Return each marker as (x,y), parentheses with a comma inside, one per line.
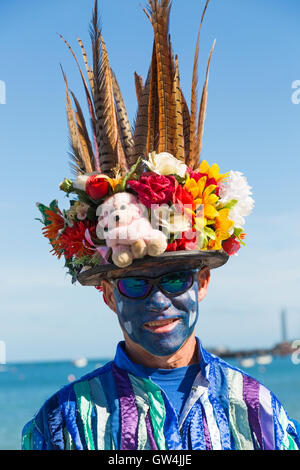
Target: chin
(164,347)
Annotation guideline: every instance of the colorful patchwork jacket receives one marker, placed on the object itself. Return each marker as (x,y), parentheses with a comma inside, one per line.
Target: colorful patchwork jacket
(111,409)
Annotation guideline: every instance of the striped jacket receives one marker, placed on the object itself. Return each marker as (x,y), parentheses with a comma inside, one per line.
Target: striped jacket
(111,409)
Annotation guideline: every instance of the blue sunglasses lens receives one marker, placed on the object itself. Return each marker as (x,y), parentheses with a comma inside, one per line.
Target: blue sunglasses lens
(134,288)
(177,283)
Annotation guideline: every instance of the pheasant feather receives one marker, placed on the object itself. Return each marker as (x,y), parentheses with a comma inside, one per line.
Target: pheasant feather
(89,71)
(194,99)
(159,14)
(153,108)
(179,138)
(90,105)
(84,136)
(138,87)
(79,163)
(123,121)
(141,124)
(202,112)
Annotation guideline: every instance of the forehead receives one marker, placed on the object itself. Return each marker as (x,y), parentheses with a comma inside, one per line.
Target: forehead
(116,200)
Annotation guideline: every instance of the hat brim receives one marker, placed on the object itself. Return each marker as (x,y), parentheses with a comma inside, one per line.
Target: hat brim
(176,259)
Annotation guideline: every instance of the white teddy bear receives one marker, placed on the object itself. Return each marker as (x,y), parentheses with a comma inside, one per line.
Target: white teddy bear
(123,223)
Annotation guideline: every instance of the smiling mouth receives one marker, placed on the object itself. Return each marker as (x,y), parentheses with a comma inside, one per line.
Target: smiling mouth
(162,326)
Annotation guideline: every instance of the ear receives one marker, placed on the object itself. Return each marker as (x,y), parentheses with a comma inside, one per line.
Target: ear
(203,280)
(108,295)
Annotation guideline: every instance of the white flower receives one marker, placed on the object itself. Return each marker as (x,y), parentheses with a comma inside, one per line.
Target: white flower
(80,182)
(236,187)
(165,164)
(171,221)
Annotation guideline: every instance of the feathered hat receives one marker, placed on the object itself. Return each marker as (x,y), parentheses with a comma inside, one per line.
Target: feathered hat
(141,196)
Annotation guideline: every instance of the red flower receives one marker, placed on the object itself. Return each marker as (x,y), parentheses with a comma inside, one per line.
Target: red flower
(196,175)
(187,242)
(154,189)
(97,187)
(231,246)
(182,197)
(72,241)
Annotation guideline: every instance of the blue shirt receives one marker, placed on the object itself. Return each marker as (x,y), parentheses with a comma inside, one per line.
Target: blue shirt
(176,383)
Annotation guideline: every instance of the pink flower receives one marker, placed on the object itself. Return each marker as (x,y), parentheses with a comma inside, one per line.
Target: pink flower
(154,189)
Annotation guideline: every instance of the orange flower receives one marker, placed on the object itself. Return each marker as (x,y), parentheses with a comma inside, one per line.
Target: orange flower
(52,231)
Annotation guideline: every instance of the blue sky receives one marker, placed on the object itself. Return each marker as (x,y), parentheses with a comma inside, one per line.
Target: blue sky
(252,126)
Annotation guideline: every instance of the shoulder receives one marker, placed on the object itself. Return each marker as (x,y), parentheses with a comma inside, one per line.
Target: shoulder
(248,400)
(58,415)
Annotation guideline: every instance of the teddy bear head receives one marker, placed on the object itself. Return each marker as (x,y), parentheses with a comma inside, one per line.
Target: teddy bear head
(119,210)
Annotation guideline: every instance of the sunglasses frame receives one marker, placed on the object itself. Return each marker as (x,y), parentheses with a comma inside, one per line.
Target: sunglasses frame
(155,282)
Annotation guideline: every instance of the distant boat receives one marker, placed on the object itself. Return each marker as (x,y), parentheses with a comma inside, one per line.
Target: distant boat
(80,362)
(264,360)
(247,362)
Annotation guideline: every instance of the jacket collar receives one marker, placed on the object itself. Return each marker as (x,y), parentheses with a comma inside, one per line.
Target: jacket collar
(122,361)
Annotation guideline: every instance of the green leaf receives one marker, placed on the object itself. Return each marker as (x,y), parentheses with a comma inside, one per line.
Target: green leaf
(210,233)
(238,231)
(86,261)
(201,240)
(42,208)
(83,197)
(230,205)
(129,175)
(91,215)
(54,205)
(181,180)
(72,270)
(118,188)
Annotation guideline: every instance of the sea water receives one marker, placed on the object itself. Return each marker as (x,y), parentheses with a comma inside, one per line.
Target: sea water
(25,387)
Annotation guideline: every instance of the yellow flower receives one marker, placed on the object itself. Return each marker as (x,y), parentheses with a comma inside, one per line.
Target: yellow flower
(213,171)
(114,182)
(203,196)
(223,225)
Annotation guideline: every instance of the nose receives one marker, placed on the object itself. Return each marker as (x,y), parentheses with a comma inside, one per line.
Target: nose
(117,218)
(157,301)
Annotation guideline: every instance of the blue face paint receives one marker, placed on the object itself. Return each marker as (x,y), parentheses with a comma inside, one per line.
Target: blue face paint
(134,314)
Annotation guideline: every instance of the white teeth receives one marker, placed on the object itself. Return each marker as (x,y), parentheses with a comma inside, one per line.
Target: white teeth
(161,323)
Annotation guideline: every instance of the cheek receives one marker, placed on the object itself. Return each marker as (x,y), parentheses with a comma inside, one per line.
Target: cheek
(193,296)
(193,317)
(127,311)
(128,327)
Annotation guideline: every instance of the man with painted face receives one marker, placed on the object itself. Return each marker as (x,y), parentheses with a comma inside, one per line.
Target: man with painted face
(158,316)
(163,390)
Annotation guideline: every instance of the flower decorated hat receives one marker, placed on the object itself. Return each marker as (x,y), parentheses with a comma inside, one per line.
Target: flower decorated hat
(143,196)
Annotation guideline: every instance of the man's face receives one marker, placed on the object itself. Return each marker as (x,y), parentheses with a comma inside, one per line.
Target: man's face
(159,323)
